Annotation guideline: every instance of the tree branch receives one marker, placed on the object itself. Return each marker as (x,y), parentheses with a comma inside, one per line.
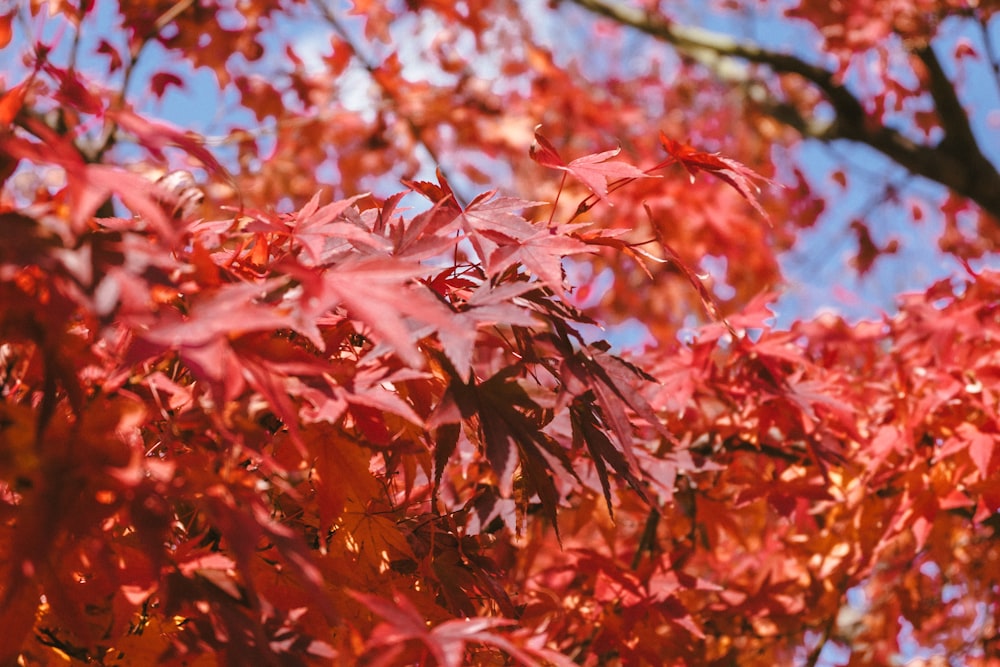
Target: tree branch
(956,162)
(992,57)
(954,121)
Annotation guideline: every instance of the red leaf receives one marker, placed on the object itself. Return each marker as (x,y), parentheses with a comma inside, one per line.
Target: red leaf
(981,446)
(11,103)
(17,613)
(487,305)
(162,80)
(155,136)
(542,255)
(73,92)
(964,49)
(213,318)
(491,222)
(380,292)
(339,58)
(314,226)
(586,431)
(406,622)
(707,298)
(5,32)
(105,48)
(446,641)
(737,175)
(594,170)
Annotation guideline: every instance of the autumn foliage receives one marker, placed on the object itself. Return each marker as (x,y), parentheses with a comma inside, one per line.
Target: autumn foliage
(330,386)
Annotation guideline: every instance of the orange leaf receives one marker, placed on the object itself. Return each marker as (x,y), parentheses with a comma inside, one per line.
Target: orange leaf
(11,103)
(5,30)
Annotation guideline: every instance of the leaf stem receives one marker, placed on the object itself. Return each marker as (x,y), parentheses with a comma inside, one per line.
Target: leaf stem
(552,212)
(590,200)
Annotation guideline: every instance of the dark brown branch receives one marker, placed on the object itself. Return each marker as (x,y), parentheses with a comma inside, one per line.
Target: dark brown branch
(956,162)
(992,57)
(959,140)
(952,115)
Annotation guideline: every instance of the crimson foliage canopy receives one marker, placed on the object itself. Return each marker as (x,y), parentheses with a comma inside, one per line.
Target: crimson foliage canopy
(322,379)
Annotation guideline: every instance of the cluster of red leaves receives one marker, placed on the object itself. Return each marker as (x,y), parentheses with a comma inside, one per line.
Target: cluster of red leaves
(232,425)
(360,434)
(808,462)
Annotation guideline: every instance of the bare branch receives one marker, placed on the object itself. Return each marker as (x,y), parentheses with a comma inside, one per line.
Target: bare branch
(992,57)
(950,112)
(956,162)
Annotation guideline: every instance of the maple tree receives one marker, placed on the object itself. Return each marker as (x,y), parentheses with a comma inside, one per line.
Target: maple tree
(275,395)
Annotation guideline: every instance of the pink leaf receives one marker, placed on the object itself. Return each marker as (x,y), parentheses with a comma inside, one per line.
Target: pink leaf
(594,170)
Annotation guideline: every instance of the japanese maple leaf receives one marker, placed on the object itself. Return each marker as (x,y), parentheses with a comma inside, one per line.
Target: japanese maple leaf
(364,389)
(603,453)
(486,306)
(315,227)
(5,31)
(445,641)
(542,253)
(594,170)
(736,174)
(228,311)
(203,337)
(492,222)
(156,135)
(162,80)
(379,292)
(981,447)
(707,298)
(88,185)
(508,436)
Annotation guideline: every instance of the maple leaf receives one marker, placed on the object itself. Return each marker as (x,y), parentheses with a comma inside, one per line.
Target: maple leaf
(314,227)
(586,431)
(380,292)
(737,175)
(400,316)
(73,91)
(511,437)
(243,519)
(492,222)
(868,250)
(981,448)
(613,383)
(697,281)
(89,185)
(226,311)
(542,254)
(105,48)
(156,135)
(445,641)
(594,170)
(488,304)
(5,31)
